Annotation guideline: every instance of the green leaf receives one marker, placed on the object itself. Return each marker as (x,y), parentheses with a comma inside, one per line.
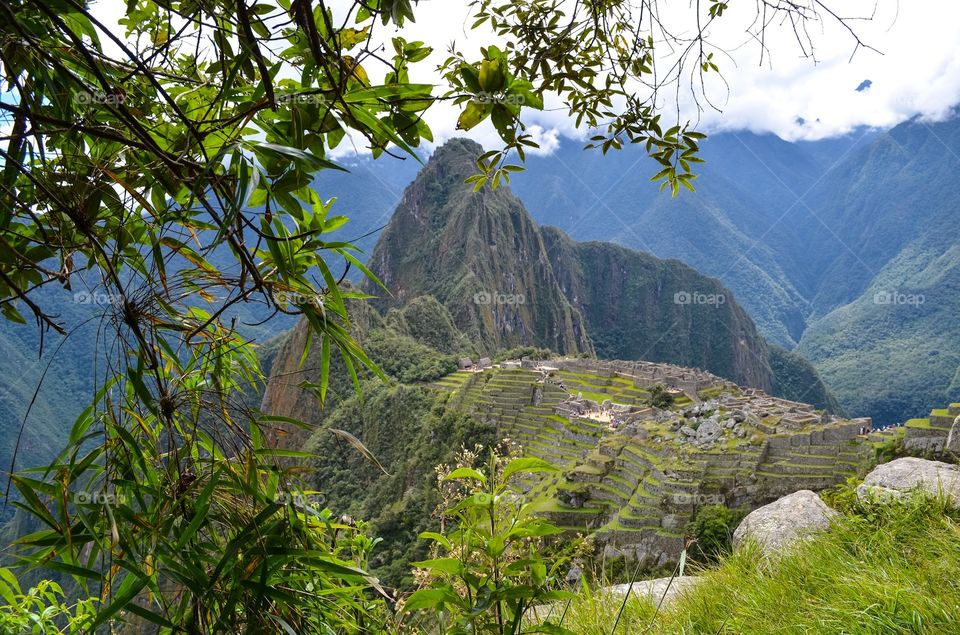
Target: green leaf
(298,155)
(473,114)
(465,472)
(429,599)
(446,565)
(360,447)
(527,465)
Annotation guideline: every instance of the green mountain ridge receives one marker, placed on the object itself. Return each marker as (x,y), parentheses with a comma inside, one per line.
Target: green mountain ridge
(799,232)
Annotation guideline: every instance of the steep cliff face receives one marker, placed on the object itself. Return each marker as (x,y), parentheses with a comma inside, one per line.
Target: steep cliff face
(637,306)
(480,254)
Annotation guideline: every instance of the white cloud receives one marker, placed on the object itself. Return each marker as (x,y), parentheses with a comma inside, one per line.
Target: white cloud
(918,72)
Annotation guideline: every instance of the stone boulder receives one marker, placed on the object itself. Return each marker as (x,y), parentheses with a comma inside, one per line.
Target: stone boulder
(909,474)
(785,521)
(709,430)
(654,590)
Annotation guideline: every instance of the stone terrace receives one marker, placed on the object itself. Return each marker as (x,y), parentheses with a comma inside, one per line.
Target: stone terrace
(636,474)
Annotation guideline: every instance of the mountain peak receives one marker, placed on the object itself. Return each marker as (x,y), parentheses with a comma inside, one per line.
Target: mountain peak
(457,156)
(479,253)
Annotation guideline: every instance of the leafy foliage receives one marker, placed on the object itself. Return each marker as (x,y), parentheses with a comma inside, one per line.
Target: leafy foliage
(713,528)
(410,432)
(488,570)
(42,609)
(406,359)
(660,397)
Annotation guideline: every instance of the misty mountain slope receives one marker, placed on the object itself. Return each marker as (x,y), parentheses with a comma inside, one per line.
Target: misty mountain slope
(637,306)
(894,350)
(901,187)
(867,199)
(726,229)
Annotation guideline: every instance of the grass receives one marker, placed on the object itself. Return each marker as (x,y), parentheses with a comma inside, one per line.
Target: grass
(882,569)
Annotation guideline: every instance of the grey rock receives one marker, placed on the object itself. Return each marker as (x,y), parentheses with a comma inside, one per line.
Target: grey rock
(785,521)
(653,590)
(709,430)
(953,439)
(687,430)
(909,474)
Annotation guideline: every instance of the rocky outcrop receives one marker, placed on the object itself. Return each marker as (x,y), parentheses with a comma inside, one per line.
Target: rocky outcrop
(631,300)
(657,590)
(902,476)
(480,254)
(777,526)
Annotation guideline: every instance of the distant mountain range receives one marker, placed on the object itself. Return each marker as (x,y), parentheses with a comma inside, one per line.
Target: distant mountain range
(846,248)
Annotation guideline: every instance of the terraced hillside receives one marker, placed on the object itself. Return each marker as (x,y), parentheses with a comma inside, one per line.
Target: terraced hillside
(931,433)
(634,474)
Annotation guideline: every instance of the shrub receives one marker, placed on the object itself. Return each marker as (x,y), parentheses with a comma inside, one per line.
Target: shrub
(713,528)
(660,398)
(42,609)
(488,569)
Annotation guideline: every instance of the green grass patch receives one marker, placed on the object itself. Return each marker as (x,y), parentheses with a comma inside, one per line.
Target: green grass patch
(887,569)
